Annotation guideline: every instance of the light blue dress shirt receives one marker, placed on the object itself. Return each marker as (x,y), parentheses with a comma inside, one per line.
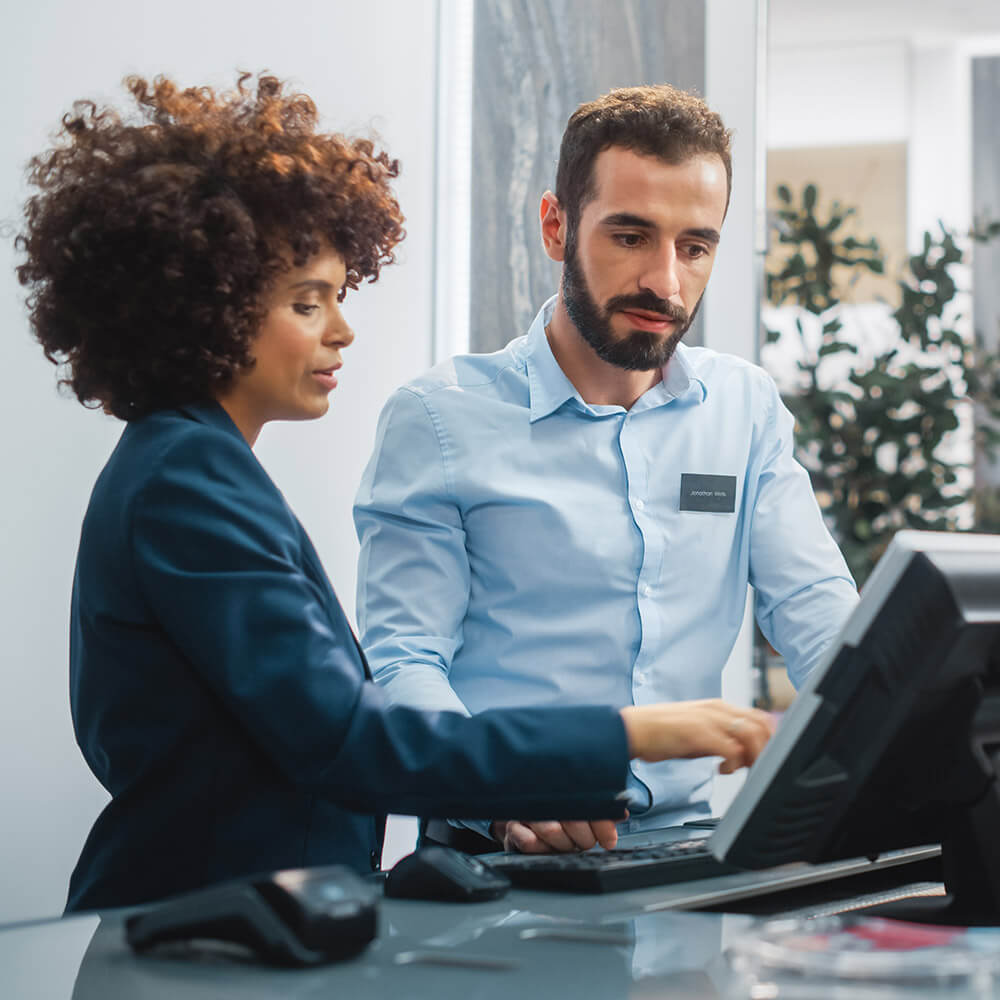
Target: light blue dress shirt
(521,547)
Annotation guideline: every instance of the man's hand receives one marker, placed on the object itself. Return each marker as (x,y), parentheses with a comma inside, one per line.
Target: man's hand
(708,728)
(682,729)
(550,836)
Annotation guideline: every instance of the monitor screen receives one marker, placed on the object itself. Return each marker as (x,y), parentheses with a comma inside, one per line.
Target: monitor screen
(894,739)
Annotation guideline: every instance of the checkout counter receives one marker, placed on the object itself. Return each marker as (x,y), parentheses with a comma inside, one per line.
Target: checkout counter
(656,942)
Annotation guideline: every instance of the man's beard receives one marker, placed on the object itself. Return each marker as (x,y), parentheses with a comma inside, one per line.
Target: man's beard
(639,350)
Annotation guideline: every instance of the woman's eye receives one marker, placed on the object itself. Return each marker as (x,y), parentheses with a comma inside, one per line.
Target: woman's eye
(304,308)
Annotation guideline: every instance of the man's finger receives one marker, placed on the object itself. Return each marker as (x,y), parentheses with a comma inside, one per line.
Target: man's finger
(553,834)
(606,832)
(580,832)
(520,837)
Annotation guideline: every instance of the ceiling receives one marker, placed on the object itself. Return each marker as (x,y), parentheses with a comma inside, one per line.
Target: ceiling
(920,22)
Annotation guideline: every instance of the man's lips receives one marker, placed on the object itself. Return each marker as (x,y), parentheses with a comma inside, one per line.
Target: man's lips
(645,319)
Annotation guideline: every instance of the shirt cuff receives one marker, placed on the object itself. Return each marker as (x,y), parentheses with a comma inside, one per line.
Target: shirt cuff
(637,795)
(480,826)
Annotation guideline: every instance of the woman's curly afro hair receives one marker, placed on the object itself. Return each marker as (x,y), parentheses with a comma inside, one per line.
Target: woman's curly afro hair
(151,243)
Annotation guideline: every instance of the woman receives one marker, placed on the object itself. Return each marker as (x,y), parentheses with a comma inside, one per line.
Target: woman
(187,268)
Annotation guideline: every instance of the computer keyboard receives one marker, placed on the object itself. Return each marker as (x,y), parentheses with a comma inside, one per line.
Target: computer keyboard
(612,871)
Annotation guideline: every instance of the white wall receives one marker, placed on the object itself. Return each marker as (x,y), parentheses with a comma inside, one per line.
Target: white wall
(894,90)
(822,94)
(367,67)
(912,87)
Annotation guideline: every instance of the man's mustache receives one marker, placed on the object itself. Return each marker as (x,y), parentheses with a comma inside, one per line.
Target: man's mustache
(648,302)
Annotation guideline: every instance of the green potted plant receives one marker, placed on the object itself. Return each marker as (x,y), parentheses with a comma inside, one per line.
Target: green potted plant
(876,418)
(877,433)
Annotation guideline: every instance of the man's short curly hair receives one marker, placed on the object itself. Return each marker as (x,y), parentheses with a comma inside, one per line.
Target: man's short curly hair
(150,243)
(657,120)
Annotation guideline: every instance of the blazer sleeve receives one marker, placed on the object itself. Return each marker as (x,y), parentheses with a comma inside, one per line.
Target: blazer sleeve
(218,556)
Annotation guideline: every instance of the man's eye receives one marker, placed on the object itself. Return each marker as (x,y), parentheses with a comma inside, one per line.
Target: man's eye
(630,239)
(304,308)
(697,250)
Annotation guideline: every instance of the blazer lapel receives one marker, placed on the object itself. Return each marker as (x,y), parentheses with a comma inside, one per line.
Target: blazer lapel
(211,412)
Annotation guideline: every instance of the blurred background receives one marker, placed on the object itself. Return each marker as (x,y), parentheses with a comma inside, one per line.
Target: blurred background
(881,307)
(859,128)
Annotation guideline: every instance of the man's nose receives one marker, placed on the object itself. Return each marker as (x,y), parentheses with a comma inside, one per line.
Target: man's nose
(662,277)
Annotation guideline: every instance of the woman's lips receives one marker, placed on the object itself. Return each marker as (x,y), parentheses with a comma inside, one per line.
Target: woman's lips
(326,378)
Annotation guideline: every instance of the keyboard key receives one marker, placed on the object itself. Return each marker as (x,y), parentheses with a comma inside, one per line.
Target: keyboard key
(612,871)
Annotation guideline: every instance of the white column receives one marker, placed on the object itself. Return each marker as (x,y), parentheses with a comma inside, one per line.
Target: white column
(734,86)
(735,51)
(453,178)
(939,156)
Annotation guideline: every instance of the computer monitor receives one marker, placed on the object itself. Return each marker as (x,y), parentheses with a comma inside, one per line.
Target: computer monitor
(894,739)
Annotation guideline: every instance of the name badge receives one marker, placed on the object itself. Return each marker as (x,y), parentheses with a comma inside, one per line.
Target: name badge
(716,494)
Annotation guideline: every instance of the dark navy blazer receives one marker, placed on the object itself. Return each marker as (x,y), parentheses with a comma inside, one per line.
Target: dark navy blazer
(219,694)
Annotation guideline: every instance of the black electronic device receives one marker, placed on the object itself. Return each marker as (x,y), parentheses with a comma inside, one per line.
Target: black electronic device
(441,873)
(296,917)
(704,823)
(894,739)
(615,870)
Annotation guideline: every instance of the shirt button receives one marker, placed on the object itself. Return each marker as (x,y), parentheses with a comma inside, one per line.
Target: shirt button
(638,504)
(646,590)
(640,677)
(374,859)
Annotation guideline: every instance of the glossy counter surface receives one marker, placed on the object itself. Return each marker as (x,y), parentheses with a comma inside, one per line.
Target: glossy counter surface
(528,945)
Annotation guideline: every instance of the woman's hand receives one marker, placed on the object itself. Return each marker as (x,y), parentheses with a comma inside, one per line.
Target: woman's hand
(708,728)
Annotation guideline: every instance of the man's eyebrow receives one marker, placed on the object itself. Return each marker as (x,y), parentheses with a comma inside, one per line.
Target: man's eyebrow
(627,219)
(708,235)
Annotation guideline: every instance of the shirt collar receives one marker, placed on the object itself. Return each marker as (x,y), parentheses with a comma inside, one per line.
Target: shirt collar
(549,388)
(679,377)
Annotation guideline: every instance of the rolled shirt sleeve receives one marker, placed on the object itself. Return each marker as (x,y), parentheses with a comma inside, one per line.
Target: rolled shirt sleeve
(413,569)
(804,591)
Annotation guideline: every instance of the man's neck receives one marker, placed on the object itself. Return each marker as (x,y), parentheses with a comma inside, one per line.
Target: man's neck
(598,382)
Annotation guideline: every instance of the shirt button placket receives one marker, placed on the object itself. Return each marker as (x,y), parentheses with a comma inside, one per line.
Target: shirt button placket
(635,477)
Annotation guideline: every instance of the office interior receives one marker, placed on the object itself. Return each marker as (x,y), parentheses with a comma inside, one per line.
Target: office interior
(805,85)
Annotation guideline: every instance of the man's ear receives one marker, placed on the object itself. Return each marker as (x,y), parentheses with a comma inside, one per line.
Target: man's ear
(553,222)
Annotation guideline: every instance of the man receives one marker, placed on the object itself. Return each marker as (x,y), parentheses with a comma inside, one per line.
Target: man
(577,517)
